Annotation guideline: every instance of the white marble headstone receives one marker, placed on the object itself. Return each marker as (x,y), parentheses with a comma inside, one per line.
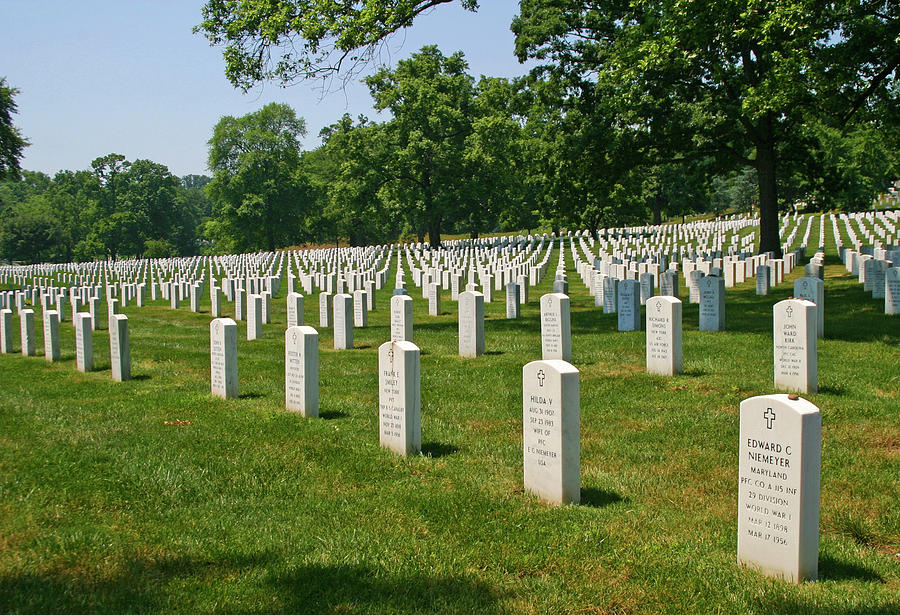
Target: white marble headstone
(794,343)
(471,324)
(551,430)
(399,401)
(556,327)
(223,358)
(778,486)
(301,370)
(664,335)
(401,318)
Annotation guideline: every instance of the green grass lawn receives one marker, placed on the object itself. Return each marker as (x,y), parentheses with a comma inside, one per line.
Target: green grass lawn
(246,508)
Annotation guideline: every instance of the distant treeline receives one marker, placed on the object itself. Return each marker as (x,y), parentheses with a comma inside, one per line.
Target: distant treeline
(457,156)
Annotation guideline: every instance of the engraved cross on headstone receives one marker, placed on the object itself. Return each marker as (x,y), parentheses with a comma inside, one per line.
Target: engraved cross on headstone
(541,376)
(769,415)
(789,311)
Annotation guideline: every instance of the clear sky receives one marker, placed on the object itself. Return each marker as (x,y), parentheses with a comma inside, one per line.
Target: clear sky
(129,76)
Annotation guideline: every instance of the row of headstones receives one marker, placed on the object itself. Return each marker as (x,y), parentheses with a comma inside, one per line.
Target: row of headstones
(119,343)
(780,435)
(878,270)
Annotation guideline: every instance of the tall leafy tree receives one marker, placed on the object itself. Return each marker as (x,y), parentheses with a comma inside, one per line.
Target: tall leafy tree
(259,194)
(727,78)
(287,40)
(431,99)
(12,143)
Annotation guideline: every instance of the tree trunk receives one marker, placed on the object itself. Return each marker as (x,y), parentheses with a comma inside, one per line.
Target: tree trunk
(769,240)
(434,232)
(656,206)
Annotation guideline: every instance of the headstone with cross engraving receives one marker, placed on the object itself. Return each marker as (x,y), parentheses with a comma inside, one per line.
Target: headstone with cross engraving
(813,289)
(712,303)
(223,358)
(294,309)
(471,324)
(794,343)
(401,318)
(343,321)
(629,305)
(664,335)
(778,486)
(399,402)
(301,370)
(551,430)
(556,328)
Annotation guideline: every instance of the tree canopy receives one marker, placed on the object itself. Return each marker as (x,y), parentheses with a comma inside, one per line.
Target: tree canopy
(12,143)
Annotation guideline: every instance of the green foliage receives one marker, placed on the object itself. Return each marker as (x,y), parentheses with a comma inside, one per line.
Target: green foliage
(291,39)
(732,80)
(12,143)
(112,210)
(257,189)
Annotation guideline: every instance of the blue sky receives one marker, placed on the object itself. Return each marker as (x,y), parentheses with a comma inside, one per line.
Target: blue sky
(128,76)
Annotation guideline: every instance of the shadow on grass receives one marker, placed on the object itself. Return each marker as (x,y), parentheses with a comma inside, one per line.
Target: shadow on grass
(598,498)
(140,377)
(833,389)
(330,415)
(437,449)
(141,585)
(831,569)
(250,395)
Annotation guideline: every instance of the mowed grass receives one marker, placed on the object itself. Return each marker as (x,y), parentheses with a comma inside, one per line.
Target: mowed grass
(247,508)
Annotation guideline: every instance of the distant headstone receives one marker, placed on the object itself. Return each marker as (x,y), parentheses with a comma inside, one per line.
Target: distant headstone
(6,331)
(301,370)
(401,318)
(325,309)
(399,401)
(471,324)
(84,342)
(561,287)
(629,305)
(813,289)
(512,300)
(892,291)
(610,295)
(712,303)
(763,280)
(343,321)
(647,287)
(239,313)
(26,328)
(215,301)
(664,336)
(254,317)
(434,299)
(266,307)
(294,309)
(119,348)
(778,486)
(51,335)
(794,343)
(551,426)
(556,328)
(360,309)
(223,358)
